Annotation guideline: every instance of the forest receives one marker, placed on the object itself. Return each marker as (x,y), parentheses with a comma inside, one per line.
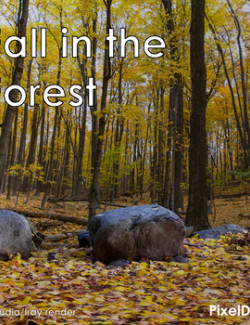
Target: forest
(109,104)
(136,136)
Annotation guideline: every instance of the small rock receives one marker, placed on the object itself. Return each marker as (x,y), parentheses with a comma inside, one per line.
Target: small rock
(179,259)
(84,239)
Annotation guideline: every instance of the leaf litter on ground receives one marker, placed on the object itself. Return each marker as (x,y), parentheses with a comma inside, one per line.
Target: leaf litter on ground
(64,286)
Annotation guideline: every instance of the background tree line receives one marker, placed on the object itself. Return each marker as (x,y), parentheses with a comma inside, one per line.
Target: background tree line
(144,132)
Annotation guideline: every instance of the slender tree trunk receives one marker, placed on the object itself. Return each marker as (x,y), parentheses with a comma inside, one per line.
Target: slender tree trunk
(40,160)
(83,118)
(178,195)
(27,182)
(16,79)
(49,178)
(21,151)
(176,122)
(61,174)
(79,160)
(119,132)
(13,157)
(96,163)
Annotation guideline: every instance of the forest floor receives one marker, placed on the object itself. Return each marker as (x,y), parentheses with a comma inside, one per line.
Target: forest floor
(63,285)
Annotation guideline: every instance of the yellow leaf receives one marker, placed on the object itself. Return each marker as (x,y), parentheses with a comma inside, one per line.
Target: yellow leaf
(25,301)
(180,273)
(143,265)
(142,272)
(120,288)
(15,275)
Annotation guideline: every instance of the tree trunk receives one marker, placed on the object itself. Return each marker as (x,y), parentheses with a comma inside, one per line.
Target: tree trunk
(21,151)
(49,177)
(197,204)
(13,156)
(178,195)
(40,160)
(96,158)
(175,120)
(32,149)
(16,80)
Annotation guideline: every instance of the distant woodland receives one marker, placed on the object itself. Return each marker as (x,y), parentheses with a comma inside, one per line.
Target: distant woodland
(172,126)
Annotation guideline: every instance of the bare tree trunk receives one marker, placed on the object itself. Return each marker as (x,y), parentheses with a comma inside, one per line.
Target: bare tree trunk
(119,132)
(178,195)
(21,151)
(40,160)
(176,122)
(16,79)
(13,157)
(83,118)
(56,122)
(197,204)
(96,163)
(27,182)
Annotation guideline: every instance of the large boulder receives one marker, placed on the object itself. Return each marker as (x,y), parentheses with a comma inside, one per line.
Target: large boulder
(133,233)
(217,232)
(15,235)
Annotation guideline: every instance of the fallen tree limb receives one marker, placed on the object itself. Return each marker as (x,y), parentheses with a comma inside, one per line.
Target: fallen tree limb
(228,196)
(48,215)
(59,237)
(48,246)
(77,198)
(243,216)
(44,224)
(113,204)
(56,238)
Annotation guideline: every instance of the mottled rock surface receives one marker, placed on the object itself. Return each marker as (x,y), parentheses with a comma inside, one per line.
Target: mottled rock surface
(15,235)
(217,232)
(133,233)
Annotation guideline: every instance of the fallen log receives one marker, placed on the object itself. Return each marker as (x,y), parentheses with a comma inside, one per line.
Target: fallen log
(48,215)
(243,216)
(77,198)
(113,204)
(228,196)
(44,224)
(56,238)
(48,246)
(59,237)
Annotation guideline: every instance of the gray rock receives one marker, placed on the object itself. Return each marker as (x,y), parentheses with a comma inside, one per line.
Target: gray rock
(217,232)
(133,233)
(15,235)
(179,259)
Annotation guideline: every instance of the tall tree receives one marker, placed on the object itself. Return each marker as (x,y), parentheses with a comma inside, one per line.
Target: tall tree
(96,159)
(197,204)
(175,118)
(16,80)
